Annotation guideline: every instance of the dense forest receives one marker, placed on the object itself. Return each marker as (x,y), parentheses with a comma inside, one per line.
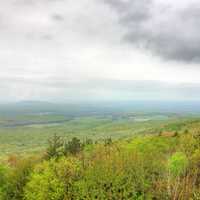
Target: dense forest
(163,166)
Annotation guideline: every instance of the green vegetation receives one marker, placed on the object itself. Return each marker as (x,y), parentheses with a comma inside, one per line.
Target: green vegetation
(145,167)
(101,158)
(19,135)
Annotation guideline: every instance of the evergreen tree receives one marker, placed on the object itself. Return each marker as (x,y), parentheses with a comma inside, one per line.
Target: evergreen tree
(54,149)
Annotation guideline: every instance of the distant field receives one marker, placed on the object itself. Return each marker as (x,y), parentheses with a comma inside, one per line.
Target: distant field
(30,133)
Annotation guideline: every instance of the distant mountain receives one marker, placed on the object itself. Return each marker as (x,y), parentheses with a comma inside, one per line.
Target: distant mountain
(34,103)
(27,107)
(37,107)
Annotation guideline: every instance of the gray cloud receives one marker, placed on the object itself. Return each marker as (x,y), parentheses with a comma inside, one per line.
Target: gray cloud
(58,17)
(61,49)
(170,31)
(131,11)
(94,89)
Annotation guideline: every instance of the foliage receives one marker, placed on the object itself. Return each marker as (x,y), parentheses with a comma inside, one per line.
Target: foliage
(73,146)
(145,167)
(52,180)
(178,164)
(44,184)
(17,178)
(54,147)
(3,181)
(30,134)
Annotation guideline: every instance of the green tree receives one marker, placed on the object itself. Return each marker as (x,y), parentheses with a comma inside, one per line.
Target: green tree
(88,141)
(108,141)
(54,149)
(17,179)
(175,134)
(73,146)
(44,184)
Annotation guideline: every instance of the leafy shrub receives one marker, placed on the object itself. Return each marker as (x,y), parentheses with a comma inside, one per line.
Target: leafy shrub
(145,167)
(52,180)
(3,181)
(17,178)
(44,184)
(178,164)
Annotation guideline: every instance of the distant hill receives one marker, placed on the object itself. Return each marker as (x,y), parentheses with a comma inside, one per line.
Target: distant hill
(27,107)
(34,104)
(99,108)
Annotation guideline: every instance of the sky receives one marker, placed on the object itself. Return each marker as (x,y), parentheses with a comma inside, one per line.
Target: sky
(93,50)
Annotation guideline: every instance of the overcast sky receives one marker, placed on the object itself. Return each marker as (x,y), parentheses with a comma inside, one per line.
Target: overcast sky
(63,50)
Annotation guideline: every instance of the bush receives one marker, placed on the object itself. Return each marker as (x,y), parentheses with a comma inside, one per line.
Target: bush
(17,178)
(178,164)
(145,167)
(3,181)
(52,180)
(43,184)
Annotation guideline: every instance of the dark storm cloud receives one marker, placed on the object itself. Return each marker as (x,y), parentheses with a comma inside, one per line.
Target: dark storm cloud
(169,31)
(135,10)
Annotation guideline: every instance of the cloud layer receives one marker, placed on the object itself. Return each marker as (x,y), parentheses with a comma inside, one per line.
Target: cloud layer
(99,49)
(61,90)
(170,30)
